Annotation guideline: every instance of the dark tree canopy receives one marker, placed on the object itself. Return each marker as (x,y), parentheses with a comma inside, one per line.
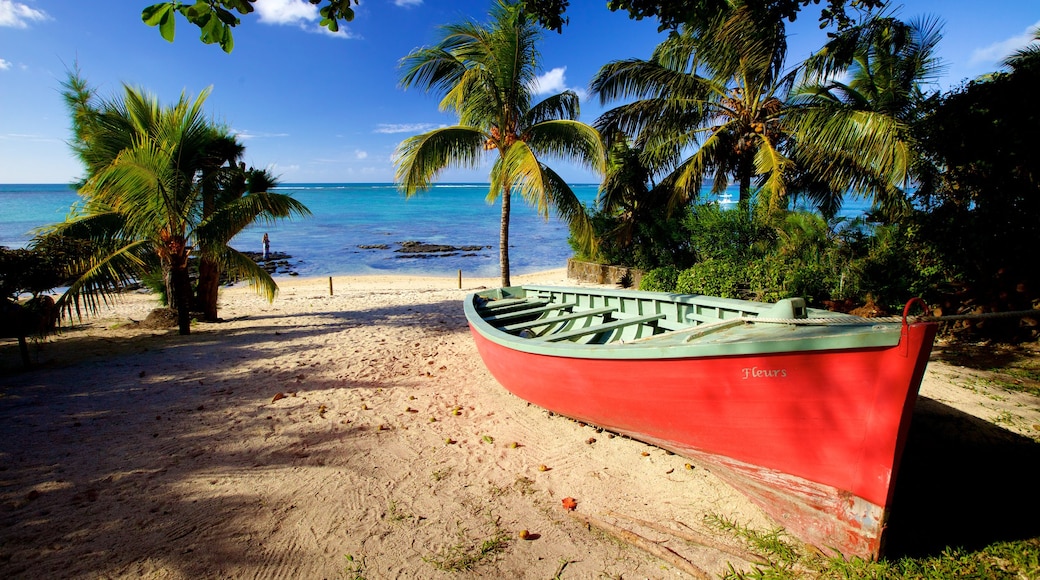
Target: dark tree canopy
(983,193)
(673,13)
(216,18)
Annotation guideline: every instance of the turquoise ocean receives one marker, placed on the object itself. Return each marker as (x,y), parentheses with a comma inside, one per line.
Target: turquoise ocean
(346,216)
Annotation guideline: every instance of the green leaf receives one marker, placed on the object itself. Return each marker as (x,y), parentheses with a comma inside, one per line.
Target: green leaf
(227,17)
(212,31)
(156,13)
(332,25)
(228,42)
(166,26)
(198,14)
(243,6)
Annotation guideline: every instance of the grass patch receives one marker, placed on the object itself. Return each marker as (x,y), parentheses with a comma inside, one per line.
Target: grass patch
(788,561)
(522,486)
(394,514)
(1005,418)
(355,569)
(469,552)
(440,474)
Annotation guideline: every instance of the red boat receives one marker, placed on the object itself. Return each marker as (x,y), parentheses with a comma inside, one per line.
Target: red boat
(806,411)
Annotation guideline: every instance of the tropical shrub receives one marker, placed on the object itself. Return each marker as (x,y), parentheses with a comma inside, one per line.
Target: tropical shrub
(723,278)
(46,265)
(659,279)
(659,240)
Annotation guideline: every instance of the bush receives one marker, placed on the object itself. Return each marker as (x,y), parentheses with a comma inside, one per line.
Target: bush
(43,267)
(659,279)
(659,240)
(720,278)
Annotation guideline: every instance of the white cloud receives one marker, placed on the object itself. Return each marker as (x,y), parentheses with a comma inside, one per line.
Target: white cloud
(404,127)
(4,64)
(551,82)
(295,12)
(28,137)
(407,2)
(286,11)
(360,154)
(18,15)
(998,51)
(246,135)
(554,82)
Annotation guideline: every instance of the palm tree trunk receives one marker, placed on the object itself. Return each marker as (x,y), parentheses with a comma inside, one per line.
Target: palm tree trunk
(182,291)
(746,165)
(207,289)
(503,237)
(180,279)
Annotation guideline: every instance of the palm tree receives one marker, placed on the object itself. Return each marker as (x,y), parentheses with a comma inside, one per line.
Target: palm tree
(709,103)
(486,73)
(856,106)
(1026,58)
(144,203)
(232,198)
(628,192)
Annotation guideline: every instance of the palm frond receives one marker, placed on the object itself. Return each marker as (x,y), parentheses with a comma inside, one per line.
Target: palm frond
(773,166)
(564,105)
(215,231)
(566,139)
(109,270)
(240,266)
(422,157)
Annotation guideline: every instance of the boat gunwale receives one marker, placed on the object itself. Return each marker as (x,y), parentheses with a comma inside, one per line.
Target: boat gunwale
(677,343)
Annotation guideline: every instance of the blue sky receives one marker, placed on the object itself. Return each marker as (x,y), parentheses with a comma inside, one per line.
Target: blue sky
(317,107)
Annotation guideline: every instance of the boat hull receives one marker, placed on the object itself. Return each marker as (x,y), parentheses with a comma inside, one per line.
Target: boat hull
(814,438)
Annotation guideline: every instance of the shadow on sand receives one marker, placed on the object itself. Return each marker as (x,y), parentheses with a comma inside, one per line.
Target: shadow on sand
(963,482)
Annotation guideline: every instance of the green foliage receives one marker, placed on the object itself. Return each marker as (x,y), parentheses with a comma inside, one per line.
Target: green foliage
(162,184)
(789,560)
(709,103)
(661,279)
(737,234)
(744,254)
(215,18)
(486,73)
(721,278)
(45,265)
(982,197)
(355,569)
(673,14)
(658,240)
(471,552)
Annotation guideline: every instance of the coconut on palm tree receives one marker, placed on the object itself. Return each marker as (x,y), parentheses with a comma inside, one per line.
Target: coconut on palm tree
(144,204)
(486,73)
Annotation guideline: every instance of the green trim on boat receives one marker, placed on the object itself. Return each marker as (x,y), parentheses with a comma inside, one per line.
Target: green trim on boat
(654,325)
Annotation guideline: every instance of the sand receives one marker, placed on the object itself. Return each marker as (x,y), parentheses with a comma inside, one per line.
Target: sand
(343,436)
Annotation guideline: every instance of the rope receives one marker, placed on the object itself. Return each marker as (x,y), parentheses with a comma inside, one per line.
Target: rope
(892,319)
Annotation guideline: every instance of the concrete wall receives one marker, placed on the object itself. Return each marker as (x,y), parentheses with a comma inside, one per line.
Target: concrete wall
(601,274)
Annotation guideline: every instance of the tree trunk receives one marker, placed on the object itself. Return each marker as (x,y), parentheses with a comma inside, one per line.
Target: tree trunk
(503,237)
(747,167)
(208,289)
(182,294)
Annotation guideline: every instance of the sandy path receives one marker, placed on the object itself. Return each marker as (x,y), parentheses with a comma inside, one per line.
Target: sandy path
(295,434)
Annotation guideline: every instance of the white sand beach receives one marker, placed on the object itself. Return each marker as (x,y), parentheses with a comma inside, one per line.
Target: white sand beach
(343,436)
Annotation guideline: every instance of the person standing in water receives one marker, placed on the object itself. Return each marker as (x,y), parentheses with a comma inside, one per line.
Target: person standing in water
(267,246)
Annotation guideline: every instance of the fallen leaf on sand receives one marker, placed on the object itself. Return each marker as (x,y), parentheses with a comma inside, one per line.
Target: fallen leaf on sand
(278,396)
(569,503)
